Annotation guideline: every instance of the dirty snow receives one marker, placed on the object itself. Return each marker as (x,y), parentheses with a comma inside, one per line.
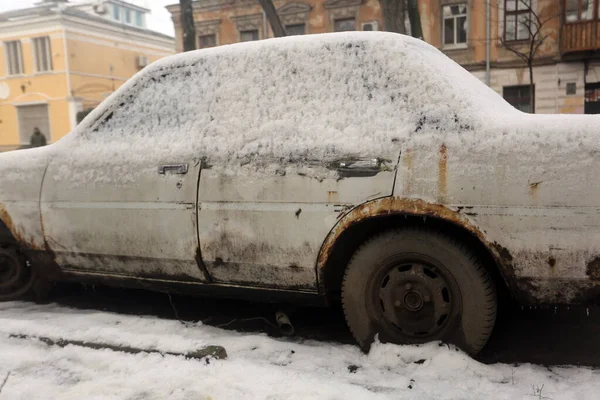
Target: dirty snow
(258,367)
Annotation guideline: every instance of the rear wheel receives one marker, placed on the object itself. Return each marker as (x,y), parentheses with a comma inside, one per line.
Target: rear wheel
(17,278)
(413,286)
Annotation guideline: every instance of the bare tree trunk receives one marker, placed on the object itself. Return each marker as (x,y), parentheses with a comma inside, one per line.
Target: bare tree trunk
(415,19)
(272,17)
(187,24)
(531,88)
(393,15)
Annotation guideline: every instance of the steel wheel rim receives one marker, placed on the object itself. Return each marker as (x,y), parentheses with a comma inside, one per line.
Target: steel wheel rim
(414,298)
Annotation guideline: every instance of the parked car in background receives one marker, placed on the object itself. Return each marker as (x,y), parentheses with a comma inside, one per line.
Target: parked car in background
(366,168)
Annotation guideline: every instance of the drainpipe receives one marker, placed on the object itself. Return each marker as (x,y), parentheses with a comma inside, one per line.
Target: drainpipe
(265,26)
(487,42)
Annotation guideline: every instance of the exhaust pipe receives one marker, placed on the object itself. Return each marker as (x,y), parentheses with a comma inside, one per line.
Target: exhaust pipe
(283,322)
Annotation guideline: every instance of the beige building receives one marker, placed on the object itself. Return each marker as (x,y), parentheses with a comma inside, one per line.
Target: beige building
(221,22)
(58,59)
(566,66)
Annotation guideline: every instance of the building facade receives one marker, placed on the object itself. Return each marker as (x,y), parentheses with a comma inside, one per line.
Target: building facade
(59,59)
(220,22)
(566,69)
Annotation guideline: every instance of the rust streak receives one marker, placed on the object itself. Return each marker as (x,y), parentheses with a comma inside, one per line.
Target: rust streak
(408,165)
(443,174)
(332,196)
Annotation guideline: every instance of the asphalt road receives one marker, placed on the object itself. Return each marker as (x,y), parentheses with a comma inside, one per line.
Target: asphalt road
(548,336)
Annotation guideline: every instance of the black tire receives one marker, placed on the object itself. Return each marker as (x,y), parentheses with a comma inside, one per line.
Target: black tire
(18,280)
(412,286)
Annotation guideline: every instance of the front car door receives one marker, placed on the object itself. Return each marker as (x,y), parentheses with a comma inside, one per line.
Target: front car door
(117,199)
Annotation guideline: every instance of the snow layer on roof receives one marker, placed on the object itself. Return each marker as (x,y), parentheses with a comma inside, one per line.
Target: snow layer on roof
(318,97)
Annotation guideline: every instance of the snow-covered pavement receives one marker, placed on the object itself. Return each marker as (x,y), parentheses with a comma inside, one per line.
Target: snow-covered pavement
(258,367)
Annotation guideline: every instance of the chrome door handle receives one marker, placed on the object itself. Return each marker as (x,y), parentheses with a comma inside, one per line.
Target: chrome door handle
(180,169)
(359,167)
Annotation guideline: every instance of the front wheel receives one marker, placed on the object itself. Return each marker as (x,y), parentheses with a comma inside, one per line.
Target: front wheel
(412,286)
(18,279)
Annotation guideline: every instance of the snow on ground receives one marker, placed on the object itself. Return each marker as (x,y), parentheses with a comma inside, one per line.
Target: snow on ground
(258,367)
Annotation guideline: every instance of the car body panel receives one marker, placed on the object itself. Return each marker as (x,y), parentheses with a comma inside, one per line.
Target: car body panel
(268,231)
(537,203)
(133,221)
(20,184)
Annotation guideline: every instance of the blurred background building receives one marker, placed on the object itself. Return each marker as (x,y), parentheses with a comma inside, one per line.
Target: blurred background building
(58,60)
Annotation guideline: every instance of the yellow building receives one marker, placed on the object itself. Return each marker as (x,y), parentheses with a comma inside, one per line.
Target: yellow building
(59,59)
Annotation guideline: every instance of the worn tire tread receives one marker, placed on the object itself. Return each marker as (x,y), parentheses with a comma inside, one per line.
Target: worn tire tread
(485,280)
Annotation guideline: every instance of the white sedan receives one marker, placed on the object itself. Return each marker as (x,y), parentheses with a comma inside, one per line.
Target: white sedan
(361,168)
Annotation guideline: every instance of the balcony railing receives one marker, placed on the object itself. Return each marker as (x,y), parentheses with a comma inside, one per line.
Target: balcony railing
(580,36)
(580,26)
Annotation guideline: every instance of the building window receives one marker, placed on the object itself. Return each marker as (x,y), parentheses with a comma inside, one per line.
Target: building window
(138,19)
(128,15)
(518,96)
(517,19)
(296,29)
(116,12)
(206,41)
(248,36)
(42,54)
(579,10)
(14,57)
(455,25)
(344,25)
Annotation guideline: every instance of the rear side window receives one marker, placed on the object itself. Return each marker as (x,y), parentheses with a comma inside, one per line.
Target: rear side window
(165,104)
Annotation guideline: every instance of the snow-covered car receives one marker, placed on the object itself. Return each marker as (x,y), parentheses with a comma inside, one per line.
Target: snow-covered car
(366,168)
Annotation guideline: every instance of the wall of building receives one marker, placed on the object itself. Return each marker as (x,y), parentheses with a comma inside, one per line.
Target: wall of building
(226,18)
(100,59)
(33,87)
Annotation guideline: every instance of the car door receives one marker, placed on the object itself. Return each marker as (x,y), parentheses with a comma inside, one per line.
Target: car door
(117,199)
(267,229)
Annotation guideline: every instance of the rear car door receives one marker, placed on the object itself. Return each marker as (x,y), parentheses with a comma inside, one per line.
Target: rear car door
(268,230)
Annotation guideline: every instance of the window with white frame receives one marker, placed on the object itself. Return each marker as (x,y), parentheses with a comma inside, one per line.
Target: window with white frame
(128,15)
(14,57)
(139,21)
(42,54)
(455,25)
(116,12)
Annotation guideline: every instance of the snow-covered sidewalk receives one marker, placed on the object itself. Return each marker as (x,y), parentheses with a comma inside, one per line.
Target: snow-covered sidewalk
(258,367)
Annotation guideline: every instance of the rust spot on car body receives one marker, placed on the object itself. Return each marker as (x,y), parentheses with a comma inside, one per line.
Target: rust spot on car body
(388,206)
(533,190)
(443,173)
(332,196)
(408,166)
(593,269)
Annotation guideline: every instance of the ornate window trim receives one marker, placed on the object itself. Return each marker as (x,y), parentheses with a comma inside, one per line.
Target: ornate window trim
(249,23)
(203,28)
(342,9)
(294,14)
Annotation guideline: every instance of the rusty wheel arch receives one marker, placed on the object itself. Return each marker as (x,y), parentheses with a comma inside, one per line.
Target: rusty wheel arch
(370,218)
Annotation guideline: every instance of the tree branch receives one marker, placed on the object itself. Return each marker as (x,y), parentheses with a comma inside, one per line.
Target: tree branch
(272,17)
